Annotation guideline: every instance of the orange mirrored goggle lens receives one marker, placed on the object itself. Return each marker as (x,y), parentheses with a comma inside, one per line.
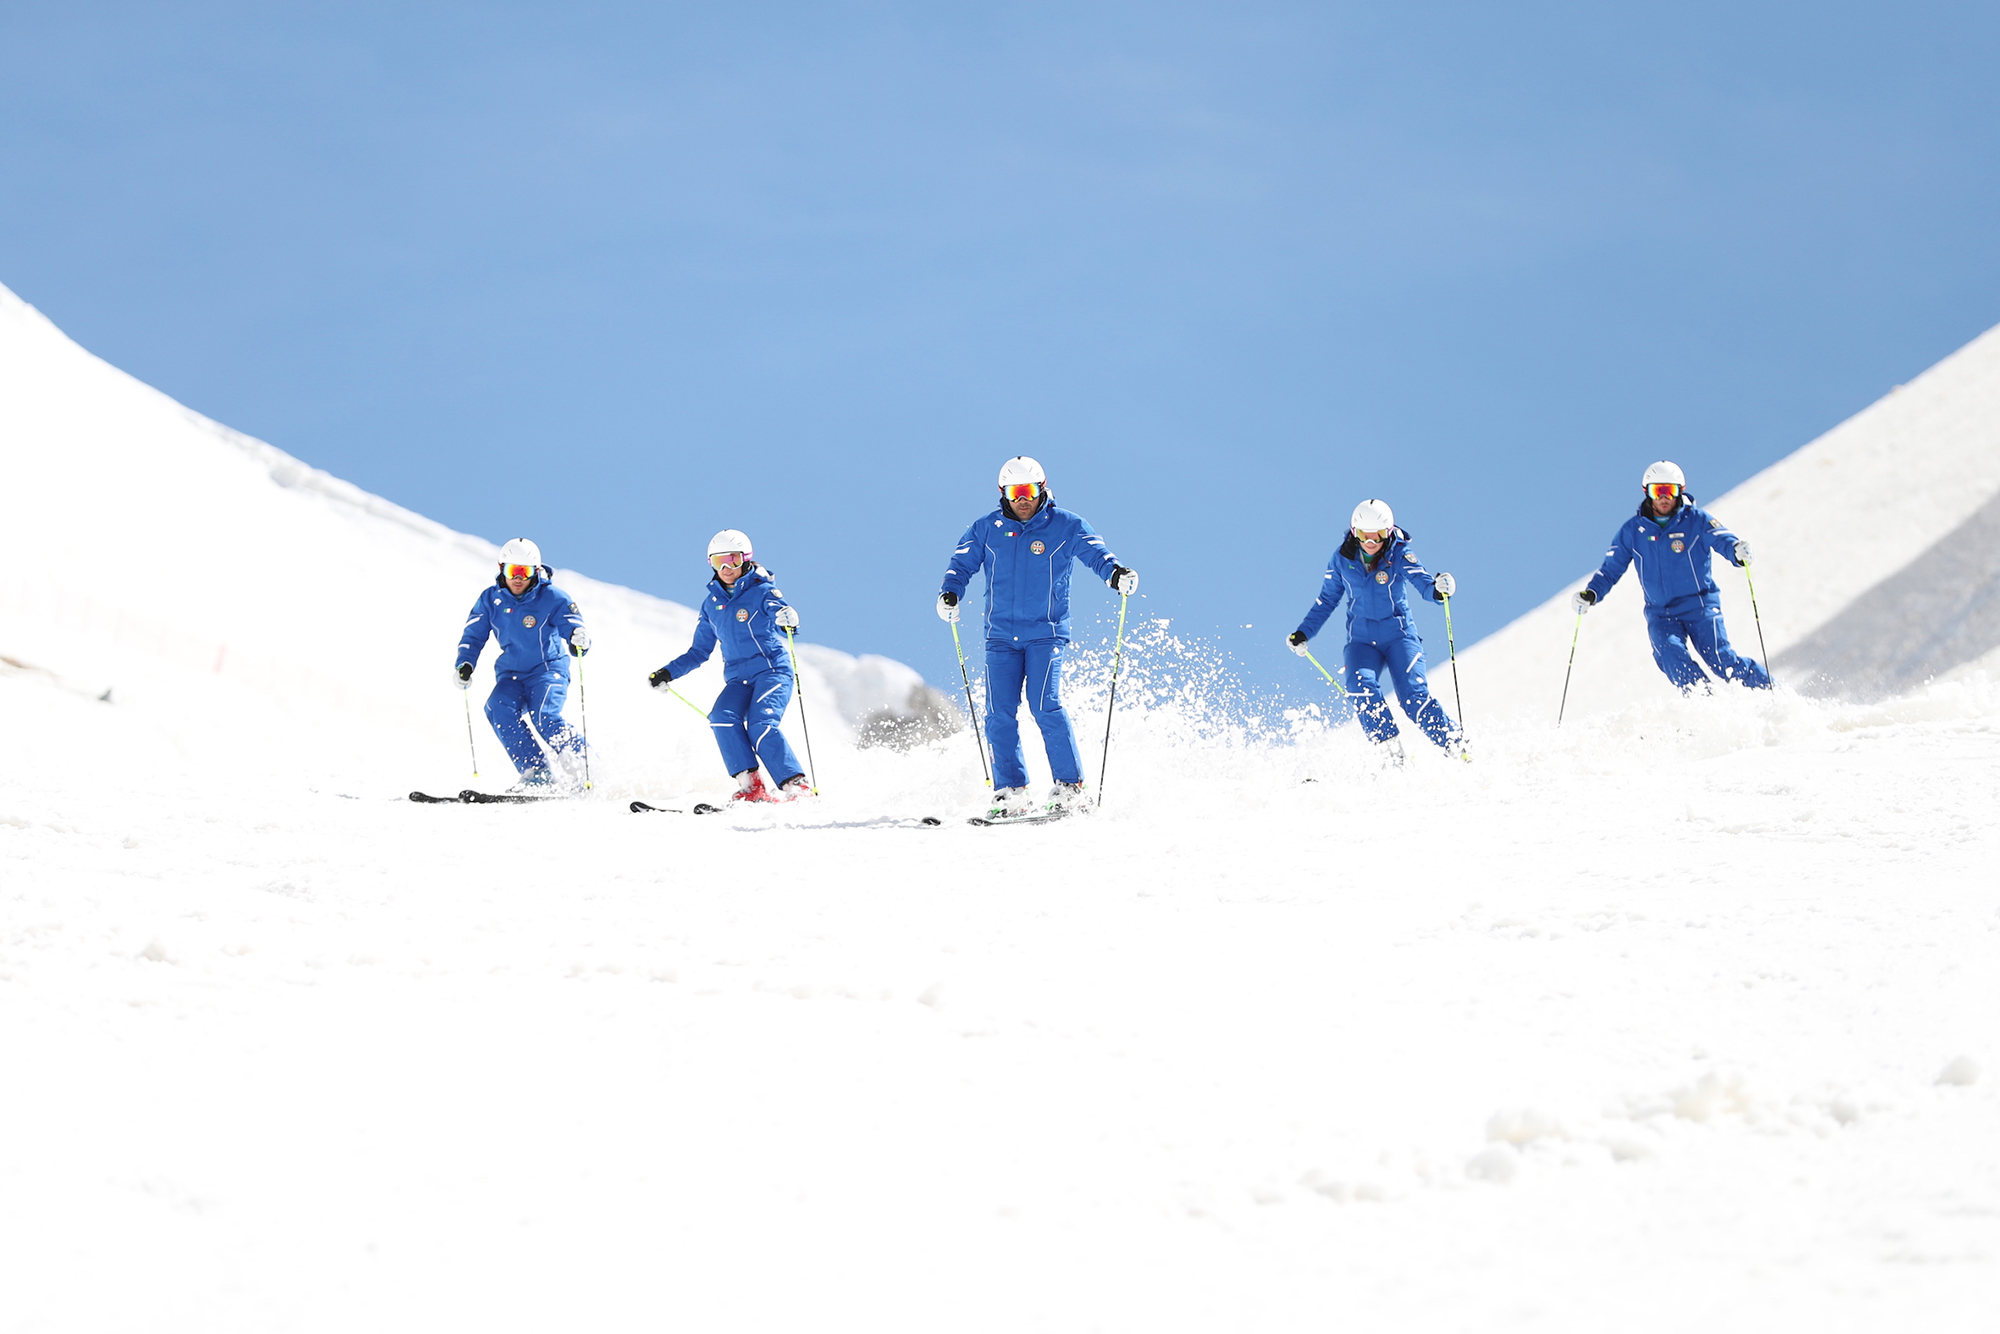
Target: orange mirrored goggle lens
(519,571)
(1022,491)
(1380,535)
(723,560)
(1664,490)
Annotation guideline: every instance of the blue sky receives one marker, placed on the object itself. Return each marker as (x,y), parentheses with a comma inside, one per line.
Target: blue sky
(617,275)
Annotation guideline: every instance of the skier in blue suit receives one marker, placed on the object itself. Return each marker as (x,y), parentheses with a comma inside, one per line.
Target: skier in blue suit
(1671,538)
(1027,548)
(1370,571)
(533,621)
(746,615)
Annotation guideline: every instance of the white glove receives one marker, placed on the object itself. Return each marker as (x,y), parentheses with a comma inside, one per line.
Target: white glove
(1742,552)
(947,605)
(1585,601)
(1296,641)
(787,618)
(1446,585)
(1124,581)
(461,676)
(579,641)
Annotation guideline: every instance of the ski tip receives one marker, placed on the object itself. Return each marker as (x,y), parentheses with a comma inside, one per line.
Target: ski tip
(932,820)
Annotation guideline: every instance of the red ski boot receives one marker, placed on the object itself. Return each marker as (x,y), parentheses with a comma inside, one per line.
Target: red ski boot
(750,787)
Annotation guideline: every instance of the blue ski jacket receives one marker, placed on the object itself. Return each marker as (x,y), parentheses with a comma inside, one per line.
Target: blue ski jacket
(1027,566)
(1672,555)
(531,629)
(1378,609)
(739,619)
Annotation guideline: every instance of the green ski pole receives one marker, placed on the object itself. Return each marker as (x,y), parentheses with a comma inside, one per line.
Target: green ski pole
(1452,644)
(1117,660)
(1572,667)
(1324,672)
(971,710)
(1760,622)
(790,648)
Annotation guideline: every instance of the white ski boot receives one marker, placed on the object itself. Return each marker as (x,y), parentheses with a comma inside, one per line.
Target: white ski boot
(1007,802)
(1064,798)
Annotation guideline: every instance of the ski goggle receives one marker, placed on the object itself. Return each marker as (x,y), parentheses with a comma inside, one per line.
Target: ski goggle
(1380,535)
(1664,490)
(1021,491)
(728,560)
(518,571)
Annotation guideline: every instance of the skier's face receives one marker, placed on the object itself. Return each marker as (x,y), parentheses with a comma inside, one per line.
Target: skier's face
(1021,499)
(518,577)
(1665,496)
(729,570)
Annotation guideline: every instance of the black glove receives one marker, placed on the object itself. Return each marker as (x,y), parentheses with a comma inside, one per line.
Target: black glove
(465,671)
(1589,597)
(1296,638)
(949,599)
(658,680)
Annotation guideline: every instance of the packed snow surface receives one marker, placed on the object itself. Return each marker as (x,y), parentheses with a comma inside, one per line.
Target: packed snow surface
(1673,1019)
(1685,1015)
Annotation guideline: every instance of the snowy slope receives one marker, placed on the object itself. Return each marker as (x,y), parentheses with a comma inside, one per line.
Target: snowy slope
(214,577)
(1681,1017)
(1857,614)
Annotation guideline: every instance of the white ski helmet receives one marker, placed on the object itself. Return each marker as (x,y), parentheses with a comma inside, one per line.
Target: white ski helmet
(1372,516)
(1021,469)
(521,551)
(1664,471)
(730,539)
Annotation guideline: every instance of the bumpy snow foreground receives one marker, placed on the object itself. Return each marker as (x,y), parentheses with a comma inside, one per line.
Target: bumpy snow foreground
(1683,1016)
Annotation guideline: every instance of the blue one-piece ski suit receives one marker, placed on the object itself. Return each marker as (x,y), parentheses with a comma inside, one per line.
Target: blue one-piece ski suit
(1380,636)
(1683,604)
(756,670)
(531,675)
(1028,565)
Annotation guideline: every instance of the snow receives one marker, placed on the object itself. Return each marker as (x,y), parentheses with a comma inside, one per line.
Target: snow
(1671,1017)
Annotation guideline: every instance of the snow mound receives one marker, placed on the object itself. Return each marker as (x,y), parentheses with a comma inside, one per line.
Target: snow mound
(253,599)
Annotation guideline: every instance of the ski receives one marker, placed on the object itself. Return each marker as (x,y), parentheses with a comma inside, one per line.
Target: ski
(704,808)
(425,796)
(510,798)
(1046,818)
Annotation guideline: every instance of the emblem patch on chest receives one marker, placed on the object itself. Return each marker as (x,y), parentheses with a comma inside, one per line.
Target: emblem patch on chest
(528,622)
(1382,578)
(1678,545)
(1037,548)
(742,613)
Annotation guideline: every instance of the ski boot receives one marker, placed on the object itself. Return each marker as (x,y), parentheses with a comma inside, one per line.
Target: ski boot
(750,787)
(1064,798)
(794,787)
(1391,748)
(1007,803)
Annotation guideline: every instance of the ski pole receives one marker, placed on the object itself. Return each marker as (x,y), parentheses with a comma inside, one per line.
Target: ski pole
(1765,654)
(1324,672)
(1572,667)
(471,745)
(690,703)
(971,710)
(790,648)
(1117,660)
(583,703)
(1452,645)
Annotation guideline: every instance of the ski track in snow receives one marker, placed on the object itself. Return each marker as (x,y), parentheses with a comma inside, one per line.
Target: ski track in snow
(1641,1022)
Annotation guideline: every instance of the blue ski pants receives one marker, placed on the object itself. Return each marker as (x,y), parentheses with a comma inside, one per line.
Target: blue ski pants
(524,704)
(1403,659)
(745,717)
(1036,669)
(1700,630)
